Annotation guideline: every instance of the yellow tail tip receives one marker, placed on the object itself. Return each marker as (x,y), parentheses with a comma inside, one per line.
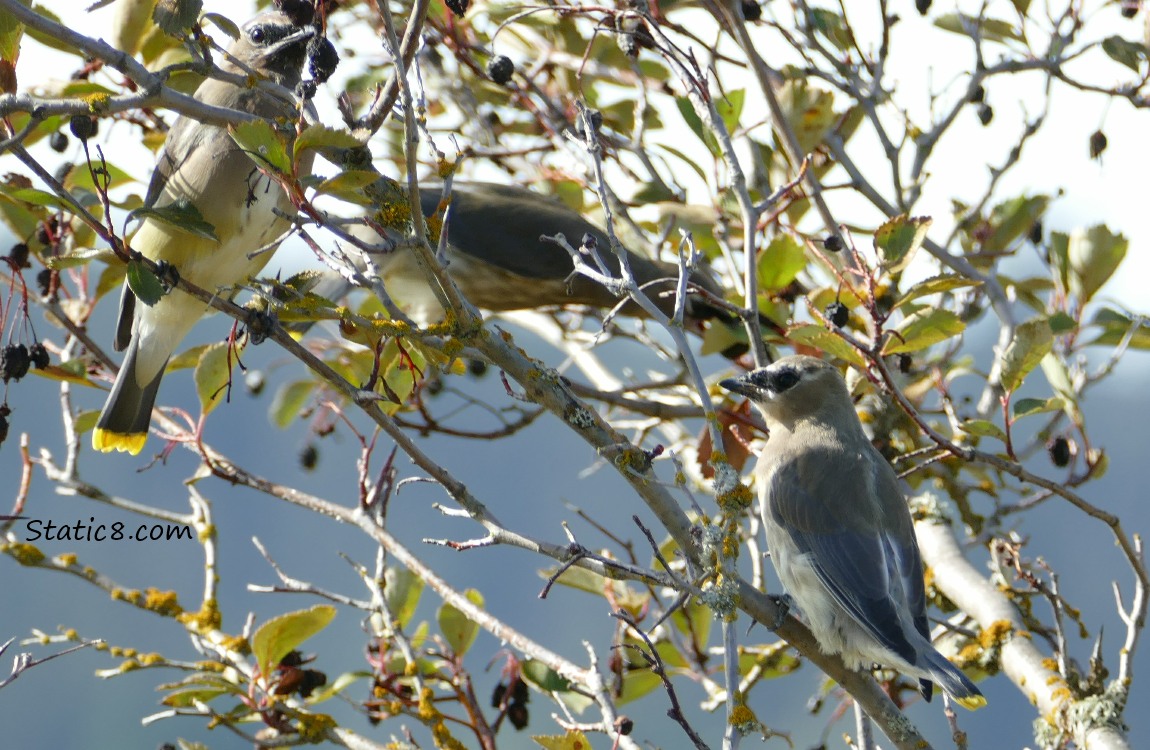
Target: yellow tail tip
(106,441)
(971,702)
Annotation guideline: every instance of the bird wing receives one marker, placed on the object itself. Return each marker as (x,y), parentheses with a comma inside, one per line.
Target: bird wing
(820,499)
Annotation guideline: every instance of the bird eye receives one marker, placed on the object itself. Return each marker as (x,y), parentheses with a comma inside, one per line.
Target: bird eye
(784,380)
(257,35)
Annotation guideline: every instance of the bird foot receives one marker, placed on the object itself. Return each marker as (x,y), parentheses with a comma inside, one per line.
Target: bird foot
(260,325)
(784,603)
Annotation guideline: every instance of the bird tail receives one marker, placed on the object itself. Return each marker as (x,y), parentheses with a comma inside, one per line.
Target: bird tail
(951,679)
(123,424)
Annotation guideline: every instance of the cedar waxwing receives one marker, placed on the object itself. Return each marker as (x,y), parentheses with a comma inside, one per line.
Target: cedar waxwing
(497,260)
(838,528)
(203,165)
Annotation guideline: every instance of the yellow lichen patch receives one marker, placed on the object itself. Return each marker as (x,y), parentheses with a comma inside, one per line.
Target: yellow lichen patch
(97,102)
(237,643)
(313,728)
(208,618)
(67,559)
(23,553)
(735,500)
(162,602)
(997,633)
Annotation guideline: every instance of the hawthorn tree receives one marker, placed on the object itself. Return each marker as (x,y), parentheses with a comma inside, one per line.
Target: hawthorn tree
(779,149)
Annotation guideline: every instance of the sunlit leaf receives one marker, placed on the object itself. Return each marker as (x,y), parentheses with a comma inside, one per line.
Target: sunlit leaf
(144,283)
(281,635)
(1130,54)
(1032,341)
(212,375)
(401,592)
(780,262)
(181,214)
(823,340)
(924,328)
(1094,255)
(262,142)
(897,240)
(288,400)
(457,628)
(936,285)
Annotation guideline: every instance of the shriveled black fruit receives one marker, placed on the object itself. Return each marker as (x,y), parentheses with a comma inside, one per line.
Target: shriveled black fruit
(500,68)
(1097,144)
(833,243)
(752,11)
(985,113)
(1059,451)
(83,126)
(838,314)
(58,141)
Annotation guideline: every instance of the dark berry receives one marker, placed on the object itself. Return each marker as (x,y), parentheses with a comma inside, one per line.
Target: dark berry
(1129,9)
(978,96)
(39,356)
(833,243)
(83,126)
(14,362)
(476,368)
(1035,235)
(985,113)
(905,363)
(58,141)
(922,6)
(1059,451)
(498,694)
(44,281)
(1097,144)
(3,428)
(517,715)
(322,58)
(838,314)
(624,724)
(458,7)
(500,68)
(19,255)
(43,236)
(309,457)
(752,11)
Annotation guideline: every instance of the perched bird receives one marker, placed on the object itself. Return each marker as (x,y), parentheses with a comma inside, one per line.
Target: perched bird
(202,165)
(838,528)
(497,260)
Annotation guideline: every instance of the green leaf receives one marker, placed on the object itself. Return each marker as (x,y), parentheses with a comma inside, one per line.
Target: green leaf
(692,119)
(990,29)
(544,677)
(1032,341)
(1130,54)
(10,35)
(144,283)
(1117,326)
(401,592)
(348,186)
(721,336)
(176,17)
(824,340)
(808,110)
(263,143)
(936,285)
(983,428)
(924,328)
(133,20)
(289,399)
(730,108)
(897,240)
(320,136)
(1094,255)
(780,263)
(458,629)
(181,214)
(281,635)
(636,684)
(223,23)
(1061,323)
(1024,407)
(212,375)
(76,258)
(832,26)
(1013,219)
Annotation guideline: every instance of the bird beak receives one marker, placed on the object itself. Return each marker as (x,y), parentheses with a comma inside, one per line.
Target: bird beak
(741,387)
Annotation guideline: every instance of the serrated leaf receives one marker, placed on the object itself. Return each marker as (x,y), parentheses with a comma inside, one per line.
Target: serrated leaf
(458,629)
(281,635)
(176,17)
(320,136)
(983,428)
(935,285)
(1094,255)
(1118,327)
(990,29)
(35,197)
(144,283)
(263,143)
(212,373)
(288,401)
(823,340)
(181,214)
(348,186)
(1130,54)
(1032,341)
(1024,407)
(1013,219)
(224,24)
(924,328)
(780,263)
(897,240)
(401,592)
(572,740)
(76,258)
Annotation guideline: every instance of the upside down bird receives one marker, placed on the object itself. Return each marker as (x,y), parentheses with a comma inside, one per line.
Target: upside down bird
(838,528)
(201,165)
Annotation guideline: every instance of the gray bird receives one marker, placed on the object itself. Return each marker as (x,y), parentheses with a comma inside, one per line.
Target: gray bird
(203,165)
(497,260)
(838,528)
